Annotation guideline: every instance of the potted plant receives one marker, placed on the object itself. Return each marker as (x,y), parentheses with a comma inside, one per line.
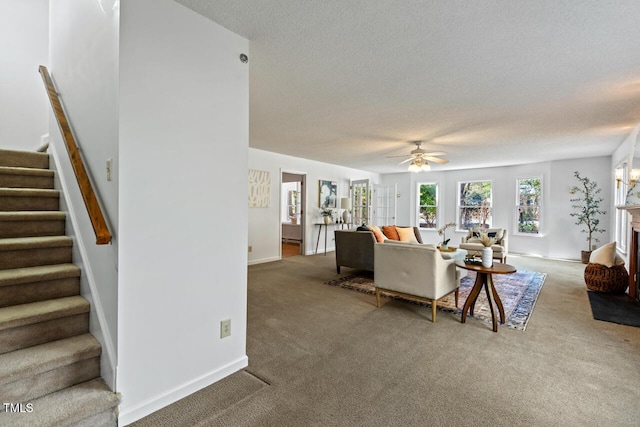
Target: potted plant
(327,214)
(442,232)
(587,210)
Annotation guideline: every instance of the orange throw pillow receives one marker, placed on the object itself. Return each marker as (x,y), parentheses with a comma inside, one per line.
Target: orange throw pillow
(391,232)
(378,233)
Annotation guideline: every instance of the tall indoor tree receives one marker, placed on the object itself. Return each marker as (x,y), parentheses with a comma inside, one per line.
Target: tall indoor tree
(587,210)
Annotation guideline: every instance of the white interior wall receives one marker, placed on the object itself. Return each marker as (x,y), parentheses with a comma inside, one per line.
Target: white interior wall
(24,41)
(183,206)
(83,52)
(565,238)
(560,237)
(264,223)
(624,155)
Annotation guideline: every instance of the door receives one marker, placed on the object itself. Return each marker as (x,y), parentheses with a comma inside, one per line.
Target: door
(360,202)
(292,218)
(383,206)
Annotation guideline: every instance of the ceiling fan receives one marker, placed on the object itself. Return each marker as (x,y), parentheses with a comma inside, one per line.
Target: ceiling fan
(420,158)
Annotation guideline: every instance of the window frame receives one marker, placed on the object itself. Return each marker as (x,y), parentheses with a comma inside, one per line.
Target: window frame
(540,205)
(621,219)
(287,189)
(419,206)
(459,206)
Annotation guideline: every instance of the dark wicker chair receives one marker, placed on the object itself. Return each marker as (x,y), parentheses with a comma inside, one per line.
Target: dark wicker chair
(600,278)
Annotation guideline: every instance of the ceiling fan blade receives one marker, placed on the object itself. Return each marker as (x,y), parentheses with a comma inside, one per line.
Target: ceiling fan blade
(405,161)
(421,156)
(436,160)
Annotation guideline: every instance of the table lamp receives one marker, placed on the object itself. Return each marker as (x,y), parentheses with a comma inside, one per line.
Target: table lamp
(345,203)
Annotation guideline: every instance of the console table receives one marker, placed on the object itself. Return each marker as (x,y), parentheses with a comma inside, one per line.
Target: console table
(322,224)
(484,280)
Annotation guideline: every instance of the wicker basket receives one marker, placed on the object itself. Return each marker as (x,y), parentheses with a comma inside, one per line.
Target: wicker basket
(600,278)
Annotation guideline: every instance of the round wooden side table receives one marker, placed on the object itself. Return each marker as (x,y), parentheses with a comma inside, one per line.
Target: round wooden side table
(484,280)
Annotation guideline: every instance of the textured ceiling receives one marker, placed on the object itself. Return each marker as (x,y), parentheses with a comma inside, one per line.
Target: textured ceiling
(489,82)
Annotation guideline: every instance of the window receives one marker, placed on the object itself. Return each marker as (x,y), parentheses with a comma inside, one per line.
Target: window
(528,205)
(428,205)
(293,206)
(290,211)
(621,214)
(474,204)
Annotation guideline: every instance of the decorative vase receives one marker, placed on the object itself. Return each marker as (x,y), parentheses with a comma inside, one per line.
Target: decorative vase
(444,246)
(487,257)
(327,220)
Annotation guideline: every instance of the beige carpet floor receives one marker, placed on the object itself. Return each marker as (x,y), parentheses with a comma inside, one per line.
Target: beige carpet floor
(331,358)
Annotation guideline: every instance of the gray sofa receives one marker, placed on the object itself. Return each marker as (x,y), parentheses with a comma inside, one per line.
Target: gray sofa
(355,248)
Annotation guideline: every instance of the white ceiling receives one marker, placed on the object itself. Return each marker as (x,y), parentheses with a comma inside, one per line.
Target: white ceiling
(489,82)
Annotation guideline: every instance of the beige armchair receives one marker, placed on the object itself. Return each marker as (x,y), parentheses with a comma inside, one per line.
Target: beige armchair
(414,271)
(472,244)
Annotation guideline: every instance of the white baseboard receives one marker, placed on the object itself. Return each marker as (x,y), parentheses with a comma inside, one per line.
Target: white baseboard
(330,250)
(102,333)
(130,415)
(263,260)
(44,144)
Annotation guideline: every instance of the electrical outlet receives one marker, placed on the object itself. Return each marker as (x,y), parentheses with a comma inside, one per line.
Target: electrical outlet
(109,169)
(250,248)
(225,328)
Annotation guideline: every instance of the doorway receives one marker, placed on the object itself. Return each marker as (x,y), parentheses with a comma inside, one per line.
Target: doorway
(292,202)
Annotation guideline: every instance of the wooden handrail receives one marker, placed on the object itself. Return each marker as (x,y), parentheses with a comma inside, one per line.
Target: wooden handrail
(103,236)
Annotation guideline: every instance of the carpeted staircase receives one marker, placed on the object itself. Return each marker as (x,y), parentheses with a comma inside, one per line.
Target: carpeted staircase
(49,363)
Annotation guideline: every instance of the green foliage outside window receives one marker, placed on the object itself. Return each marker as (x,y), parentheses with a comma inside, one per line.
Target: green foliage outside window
(475,204)
(529,199)
(428,205)
(361,200)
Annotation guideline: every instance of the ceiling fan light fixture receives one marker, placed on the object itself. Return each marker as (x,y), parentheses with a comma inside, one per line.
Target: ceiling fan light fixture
(419,165)
(414,167)
(421,159)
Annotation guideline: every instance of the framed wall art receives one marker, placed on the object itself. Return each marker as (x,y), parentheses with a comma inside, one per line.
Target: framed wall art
(328,194)
(259,189)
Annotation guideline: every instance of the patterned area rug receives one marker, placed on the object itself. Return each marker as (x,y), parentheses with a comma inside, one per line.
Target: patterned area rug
(518,292)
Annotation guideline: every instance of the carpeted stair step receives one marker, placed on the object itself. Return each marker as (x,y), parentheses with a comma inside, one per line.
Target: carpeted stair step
(31,284)
(22,252)
(24,159)
(37,371)
(47,357)
(32,223)
(27,199)
(15,177)
(88,404)
(39,322)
